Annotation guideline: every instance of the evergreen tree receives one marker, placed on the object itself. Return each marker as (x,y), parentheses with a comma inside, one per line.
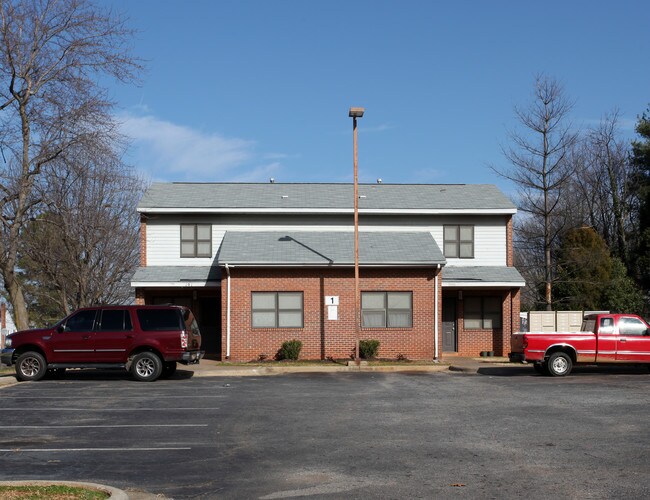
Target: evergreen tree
(641,162)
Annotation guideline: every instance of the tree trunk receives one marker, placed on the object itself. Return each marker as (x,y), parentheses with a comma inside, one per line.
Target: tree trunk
(16,297)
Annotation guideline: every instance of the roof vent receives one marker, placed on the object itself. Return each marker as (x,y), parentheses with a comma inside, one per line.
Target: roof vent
(272,180)
(379,181)
(284,196)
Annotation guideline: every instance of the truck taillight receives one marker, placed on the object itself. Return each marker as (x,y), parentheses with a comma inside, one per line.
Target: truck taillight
(524,342)
(184,338)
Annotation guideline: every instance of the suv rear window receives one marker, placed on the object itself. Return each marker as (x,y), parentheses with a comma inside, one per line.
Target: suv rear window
(160,319)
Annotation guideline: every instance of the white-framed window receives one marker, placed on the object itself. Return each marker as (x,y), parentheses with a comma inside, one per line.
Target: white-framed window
(482,313)
(277,310)
(196,240)
(458,241)
(387,309)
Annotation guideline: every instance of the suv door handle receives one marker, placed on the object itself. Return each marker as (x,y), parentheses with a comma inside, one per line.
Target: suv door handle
(129,336)
(622,339)
(86,337)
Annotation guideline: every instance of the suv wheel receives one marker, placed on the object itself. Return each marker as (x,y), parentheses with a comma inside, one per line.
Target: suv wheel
(30,365)
(146,367)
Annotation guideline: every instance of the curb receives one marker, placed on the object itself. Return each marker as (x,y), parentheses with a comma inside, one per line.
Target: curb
(115,493)
(268,370)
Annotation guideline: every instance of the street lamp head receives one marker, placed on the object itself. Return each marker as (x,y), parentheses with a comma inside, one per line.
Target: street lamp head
(356,112)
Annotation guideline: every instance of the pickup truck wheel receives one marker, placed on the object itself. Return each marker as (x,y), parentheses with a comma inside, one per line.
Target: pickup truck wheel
(146,367)
(169,368)
(30,365)
(559,364)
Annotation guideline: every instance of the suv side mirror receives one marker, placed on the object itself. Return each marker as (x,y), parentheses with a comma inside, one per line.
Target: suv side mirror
(60,328)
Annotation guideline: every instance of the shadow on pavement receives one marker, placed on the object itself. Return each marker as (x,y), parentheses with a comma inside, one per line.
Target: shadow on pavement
(528,370)
(94,374)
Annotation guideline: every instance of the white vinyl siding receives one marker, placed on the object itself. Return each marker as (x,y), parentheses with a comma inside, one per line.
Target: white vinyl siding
(164,240)
(163,233)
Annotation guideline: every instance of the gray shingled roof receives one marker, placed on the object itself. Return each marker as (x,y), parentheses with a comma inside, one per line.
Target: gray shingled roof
(331,248)
(324,196)
(175,274)
(481,274)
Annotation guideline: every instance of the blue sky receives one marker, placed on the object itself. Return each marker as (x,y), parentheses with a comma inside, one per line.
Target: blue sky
(245,90)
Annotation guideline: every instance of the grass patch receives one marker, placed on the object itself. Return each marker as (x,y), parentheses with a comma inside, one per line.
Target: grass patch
(50,492)
(7,370)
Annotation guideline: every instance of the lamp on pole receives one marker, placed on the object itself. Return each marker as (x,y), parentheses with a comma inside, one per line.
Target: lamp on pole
(354,114)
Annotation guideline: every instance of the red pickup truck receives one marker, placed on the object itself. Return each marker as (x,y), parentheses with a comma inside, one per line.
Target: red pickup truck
(605,338)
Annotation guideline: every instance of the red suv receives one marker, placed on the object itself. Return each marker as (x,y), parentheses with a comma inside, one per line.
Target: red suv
(148,341)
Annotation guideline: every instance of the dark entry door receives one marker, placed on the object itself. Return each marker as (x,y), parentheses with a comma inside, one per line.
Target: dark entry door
(449,325)
(209,319)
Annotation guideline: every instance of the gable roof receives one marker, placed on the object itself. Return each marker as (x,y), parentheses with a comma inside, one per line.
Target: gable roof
(312,248)
(324,198)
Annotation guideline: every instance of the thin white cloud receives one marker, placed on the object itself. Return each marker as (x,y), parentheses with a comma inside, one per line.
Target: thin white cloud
(261,173)
(378,128)
(165,150)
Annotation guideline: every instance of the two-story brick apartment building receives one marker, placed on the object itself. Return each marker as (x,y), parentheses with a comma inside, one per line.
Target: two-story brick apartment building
(263,263)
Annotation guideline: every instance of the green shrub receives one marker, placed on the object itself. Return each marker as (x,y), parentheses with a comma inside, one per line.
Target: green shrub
(290,350)
(368,348)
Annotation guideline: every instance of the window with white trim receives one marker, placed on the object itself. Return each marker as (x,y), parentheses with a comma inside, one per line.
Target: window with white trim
(459,241)
(387,309)
(196,240)
(482,313)
(277,309)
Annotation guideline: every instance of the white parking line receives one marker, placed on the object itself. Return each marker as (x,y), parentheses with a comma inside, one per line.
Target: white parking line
(97,426)
(185,408)
(48,450)
(108,397)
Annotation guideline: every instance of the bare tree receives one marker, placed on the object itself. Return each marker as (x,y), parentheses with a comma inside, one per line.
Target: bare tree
(539,164)
(51,52)
(605,185)
(84,248)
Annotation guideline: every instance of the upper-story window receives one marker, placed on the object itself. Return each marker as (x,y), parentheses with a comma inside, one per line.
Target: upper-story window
(459,241)
(196,240)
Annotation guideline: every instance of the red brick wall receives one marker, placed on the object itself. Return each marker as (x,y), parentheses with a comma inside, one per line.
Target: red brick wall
(143,241)
(472,342)
(323,338)
(140,296)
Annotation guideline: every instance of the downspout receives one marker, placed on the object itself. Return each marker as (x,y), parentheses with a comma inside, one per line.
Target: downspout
(435,315)
(228,313)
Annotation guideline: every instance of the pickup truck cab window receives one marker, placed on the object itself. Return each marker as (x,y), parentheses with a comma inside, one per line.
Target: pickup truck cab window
(631,326)
(606,325)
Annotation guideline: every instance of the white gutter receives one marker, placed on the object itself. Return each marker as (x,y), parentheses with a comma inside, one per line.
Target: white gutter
(175,284)
(435,316)
(228,314)
(293,210)
(483,284)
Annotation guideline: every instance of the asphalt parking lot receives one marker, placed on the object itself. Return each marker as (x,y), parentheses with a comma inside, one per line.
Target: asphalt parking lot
(504,433)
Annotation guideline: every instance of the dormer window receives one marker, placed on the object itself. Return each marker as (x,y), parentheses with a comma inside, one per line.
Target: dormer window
(459,241)
(196,240)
